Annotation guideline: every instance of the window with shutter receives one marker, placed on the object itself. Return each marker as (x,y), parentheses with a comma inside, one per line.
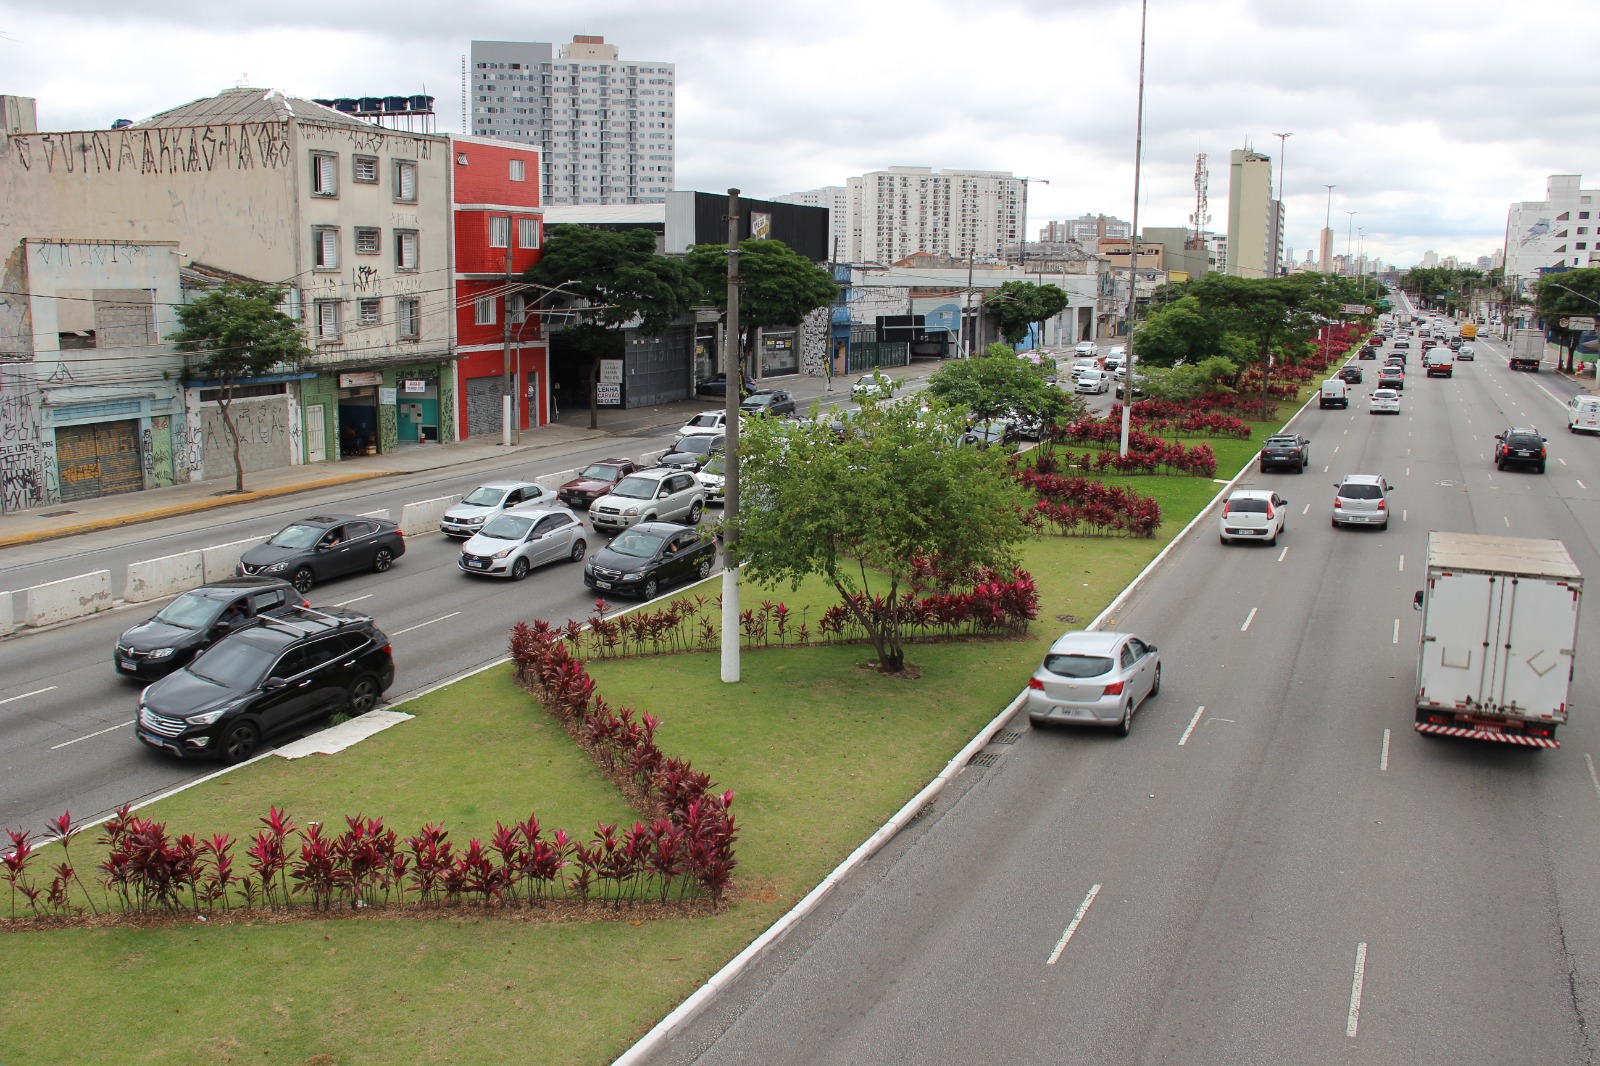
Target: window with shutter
(325,241)
(405,182)
(366,169)
(327,320)
(499,231)
(370,312)
(368,240)
(324,174)
(410,319)
(405,249)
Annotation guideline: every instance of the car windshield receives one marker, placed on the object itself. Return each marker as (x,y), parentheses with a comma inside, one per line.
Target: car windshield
(706,421)
(191,611)
(698,445)
(635,488)
(484,496)
(296,536)
(602,472)
(637,544)
(507,527)
(713,466)
(1078,665)
(234,664)
(1360,492)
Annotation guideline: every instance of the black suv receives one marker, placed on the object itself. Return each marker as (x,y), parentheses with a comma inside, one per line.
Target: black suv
(197,619)
(1519,445)
(267,679)
(1286,449)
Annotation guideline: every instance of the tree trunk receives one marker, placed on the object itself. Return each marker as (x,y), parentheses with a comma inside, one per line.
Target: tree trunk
(594,393)
(225,405)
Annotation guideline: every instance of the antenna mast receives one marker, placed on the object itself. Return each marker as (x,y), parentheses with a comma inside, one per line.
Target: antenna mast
(1202,213)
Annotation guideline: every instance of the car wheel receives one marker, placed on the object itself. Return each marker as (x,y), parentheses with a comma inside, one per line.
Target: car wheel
(1155,686)
(1541,468)
(1222,538)
(1272,540)
(1384,526)
(705,569)
(694,513)
(651,587)
(363,695)
(1499,465)
(1263,468)
(303,579)
(519,570)
(383,560)
(1125,726)
(240,742)
(578,548)
(1335,523)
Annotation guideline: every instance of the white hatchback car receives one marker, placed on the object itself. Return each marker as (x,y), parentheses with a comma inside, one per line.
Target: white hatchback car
(1384,402)
(512,543)
(1093,381)
(1094,678)
(705,424)
(464,519)
(1253,514)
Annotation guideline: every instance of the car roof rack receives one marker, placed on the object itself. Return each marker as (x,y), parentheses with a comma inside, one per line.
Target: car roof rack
(306,620)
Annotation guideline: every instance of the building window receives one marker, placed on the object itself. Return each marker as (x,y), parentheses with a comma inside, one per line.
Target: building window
(517,309)
(483,311)
(499,231)
(405,181)
(327,321)
(324,174)
(527,233)
(366,169)
(410,318)
(368,240)
(369,312)
(405,249)
(519,170)
(325,247)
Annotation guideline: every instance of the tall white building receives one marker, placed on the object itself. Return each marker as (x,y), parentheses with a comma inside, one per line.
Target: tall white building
(607,127)
(1556,231)
(836,198)
(1087,230)
(890,214)
(1255,239)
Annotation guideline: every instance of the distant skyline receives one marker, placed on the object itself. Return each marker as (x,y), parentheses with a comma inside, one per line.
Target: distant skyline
(1428,127)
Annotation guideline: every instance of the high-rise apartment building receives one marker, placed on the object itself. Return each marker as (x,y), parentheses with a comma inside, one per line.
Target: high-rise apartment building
(1254,235)
(606,127)
(1559,230)
(836,198)
(894,213)
(1087,230)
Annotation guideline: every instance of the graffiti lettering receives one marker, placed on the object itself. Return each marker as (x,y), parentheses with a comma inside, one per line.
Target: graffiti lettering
(195,149)
(364,277)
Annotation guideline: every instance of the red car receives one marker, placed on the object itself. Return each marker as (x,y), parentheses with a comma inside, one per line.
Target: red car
(595,481)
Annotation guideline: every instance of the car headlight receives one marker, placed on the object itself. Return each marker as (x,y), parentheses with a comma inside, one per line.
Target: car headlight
(633,576)
(207,718)
(159,653)
(630,510)
(275,568)
(504,552)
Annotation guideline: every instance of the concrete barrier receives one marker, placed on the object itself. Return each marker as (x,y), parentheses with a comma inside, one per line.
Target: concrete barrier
(423,516)
(221,560)
(8,621)
(167,576)
(651,458)
(71,597)
(551,482)
(383,514)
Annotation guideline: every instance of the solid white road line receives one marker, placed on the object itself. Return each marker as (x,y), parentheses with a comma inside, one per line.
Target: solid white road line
(1307,508)
(1202,710)
(1383,760)
(1581,485)
(1402,514)
(358,599)
(1592,776)
(25,695)
(1560,460)
(1507,520)
(1251,617)
(1402,564)
(429,622)
(1282,554)
(1353,1020)
(108,729)
(1397,630)
(1072,926)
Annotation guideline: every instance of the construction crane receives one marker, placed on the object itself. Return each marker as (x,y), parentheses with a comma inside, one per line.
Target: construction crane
(1202,213)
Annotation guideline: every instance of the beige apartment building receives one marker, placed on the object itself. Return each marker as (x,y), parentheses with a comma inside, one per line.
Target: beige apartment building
(1253,227)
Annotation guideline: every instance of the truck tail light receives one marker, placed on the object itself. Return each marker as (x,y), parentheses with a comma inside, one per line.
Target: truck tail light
(1113,689)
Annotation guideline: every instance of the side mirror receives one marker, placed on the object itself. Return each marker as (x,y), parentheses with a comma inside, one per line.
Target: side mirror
(1416,601)
(1151,648)
(272,684)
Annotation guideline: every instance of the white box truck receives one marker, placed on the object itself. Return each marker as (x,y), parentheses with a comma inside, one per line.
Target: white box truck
(1499,628)
(1527,349)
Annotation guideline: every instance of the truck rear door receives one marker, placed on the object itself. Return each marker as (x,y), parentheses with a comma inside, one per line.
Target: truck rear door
(1532,654)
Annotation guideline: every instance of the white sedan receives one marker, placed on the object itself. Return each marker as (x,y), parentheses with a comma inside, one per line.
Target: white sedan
(872,386)
(1094,678)
(1385,401)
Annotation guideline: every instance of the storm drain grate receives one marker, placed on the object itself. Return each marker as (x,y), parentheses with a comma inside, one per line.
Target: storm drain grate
(1005,736)
(985,758)
(56,514)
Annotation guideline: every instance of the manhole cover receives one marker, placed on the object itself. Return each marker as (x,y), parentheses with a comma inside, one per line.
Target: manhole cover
(56,514)
(985,758)
(1006,737)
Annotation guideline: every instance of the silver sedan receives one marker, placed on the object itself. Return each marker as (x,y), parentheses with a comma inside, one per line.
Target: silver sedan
(1094,678)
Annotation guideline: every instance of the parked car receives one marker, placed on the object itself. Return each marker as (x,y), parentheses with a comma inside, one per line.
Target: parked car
(1286,450)
(771,402)
(872,386)
(268,679)
(706,423)
(196,620)
(1519,446)
(1093,382)
(717,385)
(1029,425)
(1384,401)
(650,557)
(1351,375)
(1094,678)
(1583,413)
(594,481)
(691,453)
(323,546)
(463,519)
(1361,500)
(1253,514)
(658,494)
(511,544)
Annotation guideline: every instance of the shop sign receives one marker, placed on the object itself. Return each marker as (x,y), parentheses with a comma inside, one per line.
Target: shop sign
(360,378)
(412,386)
(609,394)
(387,396)
(611,371)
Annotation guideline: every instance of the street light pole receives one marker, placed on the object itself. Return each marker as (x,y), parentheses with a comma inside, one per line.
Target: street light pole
(1022,245)
(1283,139)
(1133,248)
(733,396)
(1349,222)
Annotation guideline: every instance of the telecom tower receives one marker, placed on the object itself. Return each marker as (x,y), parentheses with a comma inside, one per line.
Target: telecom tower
(1202,213)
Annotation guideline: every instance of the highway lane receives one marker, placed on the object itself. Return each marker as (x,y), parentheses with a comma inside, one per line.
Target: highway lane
(1299,826)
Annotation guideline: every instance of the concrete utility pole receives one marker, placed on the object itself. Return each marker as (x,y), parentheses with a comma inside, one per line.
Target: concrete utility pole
(1349,223)
(730,463)
(1326,251)
(1133,244)
(508,403)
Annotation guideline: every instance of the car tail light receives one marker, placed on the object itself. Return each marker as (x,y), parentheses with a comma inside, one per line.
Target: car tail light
(1338,503)
(1225,508)
(387,649)
(1541,453)
(1270,511)
(1382,505)
(304,602)
(1035,684)
(1113,689)
(400,533)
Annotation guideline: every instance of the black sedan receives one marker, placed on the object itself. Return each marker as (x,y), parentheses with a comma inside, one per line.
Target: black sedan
(692,453)
(1350,375)
(1367,353)
(717,385)
(323,546)
(1286,449)
(769,402)
(197,619)
(649,557)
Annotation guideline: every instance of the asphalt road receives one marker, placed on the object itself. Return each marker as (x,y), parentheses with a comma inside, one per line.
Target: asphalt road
(1274,868)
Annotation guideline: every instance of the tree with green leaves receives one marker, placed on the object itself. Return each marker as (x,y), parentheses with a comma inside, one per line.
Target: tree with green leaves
(777,287)
(858,510)
(621,280)
(1190,380)
(236,332)
(995,383)
(1179,331)
(1016,305)
(1271,314)
(1567,294)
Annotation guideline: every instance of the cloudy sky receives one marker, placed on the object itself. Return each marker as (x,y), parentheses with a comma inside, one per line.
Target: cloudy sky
(1429,117)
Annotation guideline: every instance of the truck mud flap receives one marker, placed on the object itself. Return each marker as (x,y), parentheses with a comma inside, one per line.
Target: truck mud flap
(1486,734)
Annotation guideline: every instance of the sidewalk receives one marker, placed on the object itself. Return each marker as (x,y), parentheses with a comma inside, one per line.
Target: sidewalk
(570,433)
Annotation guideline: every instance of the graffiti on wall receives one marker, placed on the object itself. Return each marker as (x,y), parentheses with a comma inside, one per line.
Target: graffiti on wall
(159,452)
(27,457)
(79,253)
(180,150)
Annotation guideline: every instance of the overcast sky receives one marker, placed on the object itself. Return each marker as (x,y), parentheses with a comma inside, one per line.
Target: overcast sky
(1430,117)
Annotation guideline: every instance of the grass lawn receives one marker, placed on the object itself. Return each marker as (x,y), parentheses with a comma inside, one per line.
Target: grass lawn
(819,752)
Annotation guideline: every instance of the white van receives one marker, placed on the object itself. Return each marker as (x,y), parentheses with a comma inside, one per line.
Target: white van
(1583,413)
(1335,393)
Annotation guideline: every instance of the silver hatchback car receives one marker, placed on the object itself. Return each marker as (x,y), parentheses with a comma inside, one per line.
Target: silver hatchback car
(1362,500)
(1094,678)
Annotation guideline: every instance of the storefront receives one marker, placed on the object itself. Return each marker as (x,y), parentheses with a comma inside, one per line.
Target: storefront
(483,384)
(358,412)
(417,410)
(780,354)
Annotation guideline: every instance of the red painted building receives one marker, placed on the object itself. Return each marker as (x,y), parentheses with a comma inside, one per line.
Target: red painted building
(499,227)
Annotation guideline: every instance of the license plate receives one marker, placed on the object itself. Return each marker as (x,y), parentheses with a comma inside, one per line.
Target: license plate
(127,664)
(602,584)
(1521,453)
(479,563)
